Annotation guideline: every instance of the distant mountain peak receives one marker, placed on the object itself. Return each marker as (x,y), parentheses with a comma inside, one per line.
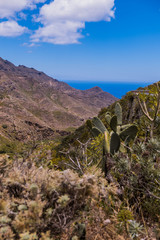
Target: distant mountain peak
(95,89)
(48,105)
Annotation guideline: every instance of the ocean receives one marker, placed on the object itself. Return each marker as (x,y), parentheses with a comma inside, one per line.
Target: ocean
(117,89)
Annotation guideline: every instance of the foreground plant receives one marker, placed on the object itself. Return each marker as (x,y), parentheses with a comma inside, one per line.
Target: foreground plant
(139,177)
(149,102)
(38,203)
(112,140)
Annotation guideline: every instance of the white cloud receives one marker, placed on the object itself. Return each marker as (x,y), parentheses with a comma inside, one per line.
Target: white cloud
(11,29)
(8,10)
(59,33)
(64,19)
(9,7)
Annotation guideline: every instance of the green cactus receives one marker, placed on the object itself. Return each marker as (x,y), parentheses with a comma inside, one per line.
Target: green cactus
(129,133)
(113,123)
(119,132)
(106,142)
(98,124)
(114,143)
(108,118)
(89,124)
(126,132)
(118,113)
(111,143)
(123,127)
(95,131)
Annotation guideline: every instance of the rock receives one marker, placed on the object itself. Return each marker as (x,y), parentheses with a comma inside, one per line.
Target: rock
(107,221)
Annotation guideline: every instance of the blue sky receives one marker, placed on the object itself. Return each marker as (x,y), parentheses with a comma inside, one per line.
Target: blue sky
(87,40)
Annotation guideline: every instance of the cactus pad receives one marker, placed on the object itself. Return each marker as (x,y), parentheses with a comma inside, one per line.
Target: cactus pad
(129,133)
(113,123)
(98,124)
(114,143)
(123,127)
(118,113)
(106,142)
(96,131)
(108,118)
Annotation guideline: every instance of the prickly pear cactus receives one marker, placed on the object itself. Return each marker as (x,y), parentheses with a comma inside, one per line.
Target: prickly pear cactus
(118,113)
(98,124)
(112,141)
(107,142)
(113,123)
(108,118)
(125,132)
(129,133)
(96,131)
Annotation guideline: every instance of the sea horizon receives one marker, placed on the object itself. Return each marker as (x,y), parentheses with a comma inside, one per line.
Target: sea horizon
(117,89)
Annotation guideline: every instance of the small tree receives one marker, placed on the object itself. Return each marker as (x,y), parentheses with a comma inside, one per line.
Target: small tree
(149,101)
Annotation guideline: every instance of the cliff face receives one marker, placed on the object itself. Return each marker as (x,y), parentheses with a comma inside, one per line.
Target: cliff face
(32,101)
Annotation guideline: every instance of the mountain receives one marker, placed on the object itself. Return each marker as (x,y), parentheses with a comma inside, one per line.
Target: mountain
(31,101)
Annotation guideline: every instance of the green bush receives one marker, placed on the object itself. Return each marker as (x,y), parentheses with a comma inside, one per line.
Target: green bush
(139,176)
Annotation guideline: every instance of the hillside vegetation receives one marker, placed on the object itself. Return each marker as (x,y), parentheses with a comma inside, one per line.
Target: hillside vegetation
(101,182)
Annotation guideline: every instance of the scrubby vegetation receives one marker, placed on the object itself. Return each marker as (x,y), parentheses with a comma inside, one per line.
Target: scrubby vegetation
(38,203)
(104,184)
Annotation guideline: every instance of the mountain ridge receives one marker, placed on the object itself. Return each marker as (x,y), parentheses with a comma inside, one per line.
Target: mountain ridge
(30,100)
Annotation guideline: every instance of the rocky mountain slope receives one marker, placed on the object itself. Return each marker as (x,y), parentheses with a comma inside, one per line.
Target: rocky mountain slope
(31,101)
